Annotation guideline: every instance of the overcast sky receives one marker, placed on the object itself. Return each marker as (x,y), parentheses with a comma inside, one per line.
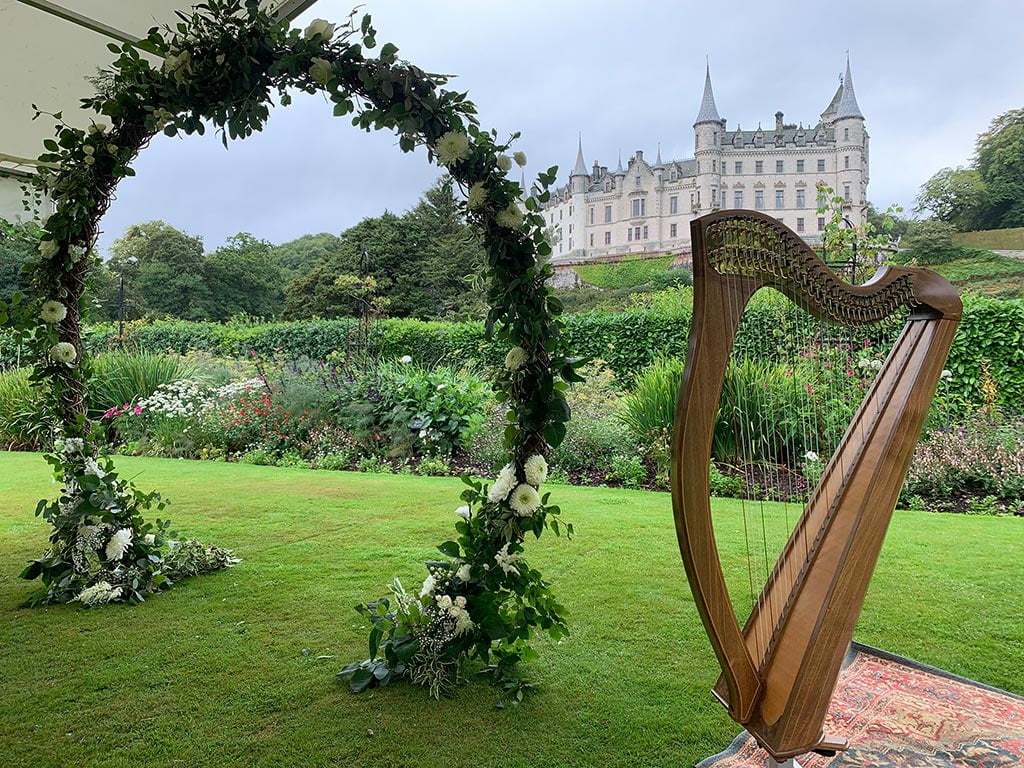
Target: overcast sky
(929,76)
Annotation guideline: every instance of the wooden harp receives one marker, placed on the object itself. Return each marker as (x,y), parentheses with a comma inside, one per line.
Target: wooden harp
(779,671)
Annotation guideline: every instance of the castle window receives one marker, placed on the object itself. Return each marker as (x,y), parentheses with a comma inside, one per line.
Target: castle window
(846,192)
(821,223)
(629,234)
(759,199)
(759,166)
(739,167)
(799,166)
(779,166)
(723,198)
(673,204)
(799,225)
(800,203)
(846,134)
(737,198)
(636,233)
(591,240)
(846,161)
(714,166)
(570,210)
(570,229)
(607,214)
(591,216)
(607,238)
(672,230)
(716,138)
(672,176)
(779,197)
(560,212)
(570,243)
(639,207)
(821,166)
(645,231)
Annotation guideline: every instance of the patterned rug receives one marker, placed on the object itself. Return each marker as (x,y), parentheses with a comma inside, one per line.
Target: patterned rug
(898,713)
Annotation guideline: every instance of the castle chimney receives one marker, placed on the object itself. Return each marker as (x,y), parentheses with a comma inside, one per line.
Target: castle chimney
(778,120)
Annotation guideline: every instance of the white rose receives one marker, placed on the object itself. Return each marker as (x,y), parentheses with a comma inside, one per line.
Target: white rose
(504,162)
(520,158)
(49,248)
(98,128)
(149,539)
(463,574)
(319,28)
(320,70)
(463,512)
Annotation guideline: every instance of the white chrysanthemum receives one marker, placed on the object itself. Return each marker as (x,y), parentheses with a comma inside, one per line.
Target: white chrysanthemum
(503,483)
(463,512)
(506,561)
(477,197)
(52,312)
(504,162)
(429,584)
(63,352)
(405,359)
(811,456)
(536,469)
(464,572)
(319,28)
(510,217)
(520,158)
(946,374)
(451,148)
(99,593)
(149,539)
(524,500)
(320,70)
(515,358)
(74,445)
(118,544)
(48,248)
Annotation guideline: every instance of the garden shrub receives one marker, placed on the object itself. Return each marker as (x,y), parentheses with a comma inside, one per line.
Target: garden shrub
(20,403)
(649,409)
(126,377)
(627,471)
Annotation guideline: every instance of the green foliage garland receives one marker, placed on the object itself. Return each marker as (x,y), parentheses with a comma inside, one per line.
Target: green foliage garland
(222,65)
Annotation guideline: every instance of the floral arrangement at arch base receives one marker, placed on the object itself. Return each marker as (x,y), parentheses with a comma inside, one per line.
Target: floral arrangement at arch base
(222,66)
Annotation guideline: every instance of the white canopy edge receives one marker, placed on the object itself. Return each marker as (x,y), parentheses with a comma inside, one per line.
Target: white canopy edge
(47,50)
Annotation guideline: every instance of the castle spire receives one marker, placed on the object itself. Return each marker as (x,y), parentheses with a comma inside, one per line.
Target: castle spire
(708,111)
(848,106)
(619,169)
(581,167)
(658,163)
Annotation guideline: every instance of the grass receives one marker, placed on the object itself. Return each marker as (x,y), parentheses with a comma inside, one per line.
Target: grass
(993,239)
(629,273)
(986,274)
(213,673)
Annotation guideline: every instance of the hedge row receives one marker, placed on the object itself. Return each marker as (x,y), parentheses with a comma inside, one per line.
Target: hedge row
(991,333)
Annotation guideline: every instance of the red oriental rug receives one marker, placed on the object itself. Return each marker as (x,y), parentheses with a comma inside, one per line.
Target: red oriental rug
(898,713)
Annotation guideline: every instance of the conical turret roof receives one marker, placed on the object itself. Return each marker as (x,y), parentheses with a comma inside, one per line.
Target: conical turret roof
(708,111)
(848,106)
(581,167)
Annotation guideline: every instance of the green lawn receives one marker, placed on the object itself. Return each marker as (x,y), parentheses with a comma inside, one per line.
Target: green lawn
(628,273)
(986,274)
(994,239)
(212,673)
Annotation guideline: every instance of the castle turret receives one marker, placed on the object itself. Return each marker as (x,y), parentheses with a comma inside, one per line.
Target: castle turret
(579,181)
(851,148)
(707,149)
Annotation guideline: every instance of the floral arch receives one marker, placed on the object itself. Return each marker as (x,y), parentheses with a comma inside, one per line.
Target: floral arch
(222,65)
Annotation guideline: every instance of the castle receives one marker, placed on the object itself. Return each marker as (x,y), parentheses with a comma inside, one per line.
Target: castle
(647,208)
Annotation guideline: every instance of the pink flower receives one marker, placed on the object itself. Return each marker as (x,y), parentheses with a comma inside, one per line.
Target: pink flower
(137,410)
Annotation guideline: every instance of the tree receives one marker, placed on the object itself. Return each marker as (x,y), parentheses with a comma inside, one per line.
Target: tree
(165,271)
(999,159)
(298,257)
(956,196)
(18,243)
(245,279)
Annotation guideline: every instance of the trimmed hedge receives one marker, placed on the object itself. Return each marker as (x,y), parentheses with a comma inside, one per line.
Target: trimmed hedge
(991,332)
